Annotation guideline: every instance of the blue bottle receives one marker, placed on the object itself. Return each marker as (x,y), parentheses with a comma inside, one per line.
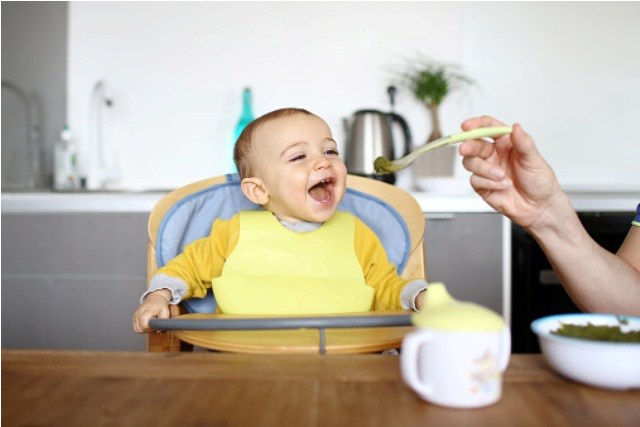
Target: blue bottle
(245,118)
(247,113)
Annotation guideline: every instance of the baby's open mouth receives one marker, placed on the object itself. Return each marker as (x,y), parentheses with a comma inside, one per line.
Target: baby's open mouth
(322,192)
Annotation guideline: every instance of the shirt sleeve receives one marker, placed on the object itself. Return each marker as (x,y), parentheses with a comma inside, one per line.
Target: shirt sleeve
(175,285)
(203,259)
(410,293)
(380,273)
(636,221)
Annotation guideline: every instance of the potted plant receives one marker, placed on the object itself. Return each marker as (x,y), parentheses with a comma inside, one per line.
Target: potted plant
(431,82)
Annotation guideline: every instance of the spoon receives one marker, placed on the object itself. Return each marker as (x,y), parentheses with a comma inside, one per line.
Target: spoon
(383,166)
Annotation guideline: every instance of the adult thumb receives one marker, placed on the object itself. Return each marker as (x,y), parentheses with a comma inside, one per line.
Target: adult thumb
(522,142)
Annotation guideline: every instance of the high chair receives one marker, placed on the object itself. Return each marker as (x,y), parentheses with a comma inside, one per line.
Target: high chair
(187,213)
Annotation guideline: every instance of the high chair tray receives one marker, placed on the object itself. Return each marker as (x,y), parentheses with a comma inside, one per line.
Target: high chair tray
(200,322)
(345,333)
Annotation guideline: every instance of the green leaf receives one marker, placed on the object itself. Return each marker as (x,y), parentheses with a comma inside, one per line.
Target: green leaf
(431,82)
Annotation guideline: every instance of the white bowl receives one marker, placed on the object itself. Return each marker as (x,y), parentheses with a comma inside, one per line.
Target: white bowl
(613,365)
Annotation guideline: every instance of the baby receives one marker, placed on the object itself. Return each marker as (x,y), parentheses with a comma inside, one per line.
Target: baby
(299,254)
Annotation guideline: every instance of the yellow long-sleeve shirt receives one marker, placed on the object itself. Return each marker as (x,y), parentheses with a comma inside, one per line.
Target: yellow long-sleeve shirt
(203,260)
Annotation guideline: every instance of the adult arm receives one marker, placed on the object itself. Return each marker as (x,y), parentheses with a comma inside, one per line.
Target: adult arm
(512,177)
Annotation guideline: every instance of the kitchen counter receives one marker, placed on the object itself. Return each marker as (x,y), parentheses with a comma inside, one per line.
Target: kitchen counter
(435,195)
(437,201)
(58,241)
(43,202)
(60,202)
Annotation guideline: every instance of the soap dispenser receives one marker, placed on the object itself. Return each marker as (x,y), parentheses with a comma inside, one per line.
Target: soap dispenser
(65,162)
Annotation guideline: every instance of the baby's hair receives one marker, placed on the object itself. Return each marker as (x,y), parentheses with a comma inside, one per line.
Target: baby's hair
(243,150)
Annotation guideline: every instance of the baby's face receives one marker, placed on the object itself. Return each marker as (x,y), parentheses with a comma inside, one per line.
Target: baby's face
(299,164)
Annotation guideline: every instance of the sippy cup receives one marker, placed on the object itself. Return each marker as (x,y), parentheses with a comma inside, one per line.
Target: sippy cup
(458,352)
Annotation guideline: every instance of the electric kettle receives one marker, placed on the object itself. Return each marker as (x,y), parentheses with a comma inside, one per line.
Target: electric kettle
(369,135)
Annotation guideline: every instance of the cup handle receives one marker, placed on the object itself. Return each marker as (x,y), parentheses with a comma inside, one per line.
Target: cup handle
(409,361)
(505,352)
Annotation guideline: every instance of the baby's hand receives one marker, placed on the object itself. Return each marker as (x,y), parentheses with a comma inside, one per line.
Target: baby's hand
(156,304)
(420,299)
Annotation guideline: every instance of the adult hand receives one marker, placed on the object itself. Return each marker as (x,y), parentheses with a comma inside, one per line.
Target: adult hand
(510,174)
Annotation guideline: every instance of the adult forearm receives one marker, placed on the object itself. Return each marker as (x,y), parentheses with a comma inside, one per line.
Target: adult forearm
(596,279)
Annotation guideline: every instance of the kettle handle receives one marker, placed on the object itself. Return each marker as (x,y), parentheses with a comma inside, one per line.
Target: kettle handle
(405,130)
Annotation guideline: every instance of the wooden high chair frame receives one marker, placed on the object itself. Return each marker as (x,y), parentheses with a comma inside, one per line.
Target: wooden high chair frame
(401,200)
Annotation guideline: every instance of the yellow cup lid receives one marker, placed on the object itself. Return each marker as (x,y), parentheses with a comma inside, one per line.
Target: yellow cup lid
(441,311)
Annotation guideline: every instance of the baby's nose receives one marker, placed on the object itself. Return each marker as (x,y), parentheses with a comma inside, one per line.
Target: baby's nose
(322,162)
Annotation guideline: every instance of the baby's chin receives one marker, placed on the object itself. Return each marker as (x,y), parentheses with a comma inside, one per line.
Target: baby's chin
(320,213)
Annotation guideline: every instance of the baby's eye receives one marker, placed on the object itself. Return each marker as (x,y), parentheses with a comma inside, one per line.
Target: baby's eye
(297,158)
(332,152)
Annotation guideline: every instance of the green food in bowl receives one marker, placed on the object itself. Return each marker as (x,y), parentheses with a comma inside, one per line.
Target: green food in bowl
(597,333)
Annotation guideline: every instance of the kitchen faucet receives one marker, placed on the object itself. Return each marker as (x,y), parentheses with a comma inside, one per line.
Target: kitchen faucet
(102,167)
(34,150)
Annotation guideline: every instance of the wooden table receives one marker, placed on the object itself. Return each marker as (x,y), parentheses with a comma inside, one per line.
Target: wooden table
(50,388)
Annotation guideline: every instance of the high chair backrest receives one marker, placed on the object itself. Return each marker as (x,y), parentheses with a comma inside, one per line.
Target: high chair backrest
(187,214)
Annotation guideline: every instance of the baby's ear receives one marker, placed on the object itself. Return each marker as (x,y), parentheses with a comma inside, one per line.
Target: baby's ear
(254,189)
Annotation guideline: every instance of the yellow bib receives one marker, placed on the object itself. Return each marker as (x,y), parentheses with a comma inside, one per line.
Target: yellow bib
(273,270)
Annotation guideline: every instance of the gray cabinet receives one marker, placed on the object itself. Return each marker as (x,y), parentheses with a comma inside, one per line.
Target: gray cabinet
(72,280)
(465,251)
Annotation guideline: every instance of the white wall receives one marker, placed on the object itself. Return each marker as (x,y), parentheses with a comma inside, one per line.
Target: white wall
(570,73)
(176,71)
